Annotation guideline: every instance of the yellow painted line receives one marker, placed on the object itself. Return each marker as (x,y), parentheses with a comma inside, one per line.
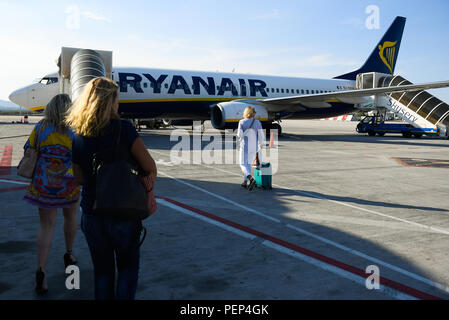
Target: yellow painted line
(186,99)
(195,99)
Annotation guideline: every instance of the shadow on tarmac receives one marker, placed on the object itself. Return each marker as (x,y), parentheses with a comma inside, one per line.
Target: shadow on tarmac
(188,255)
(257,200)
(189,249)
(279,193)
(362,138)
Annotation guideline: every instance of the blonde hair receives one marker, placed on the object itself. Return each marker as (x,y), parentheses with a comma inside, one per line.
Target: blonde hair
(92,111)
(55,112)
(249,112)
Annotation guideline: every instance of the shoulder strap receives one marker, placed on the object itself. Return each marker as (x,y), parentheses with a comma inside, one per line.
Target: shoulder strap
(102,153)
(252,122)
(247,130)
(117,140)
(37,140)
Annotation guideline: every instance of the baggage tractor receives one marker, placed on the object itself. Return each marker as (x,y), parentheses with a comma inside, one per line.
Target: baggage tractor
(263,176)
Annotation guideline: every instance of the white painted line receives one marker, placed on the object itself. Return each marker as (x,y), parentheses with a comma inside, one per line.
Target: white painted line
(163,163)
(211,221)
(14,182)
(372,259)
(222,198)
(438,230)
(335,244)
(322,265)
(338,271)
(431,228)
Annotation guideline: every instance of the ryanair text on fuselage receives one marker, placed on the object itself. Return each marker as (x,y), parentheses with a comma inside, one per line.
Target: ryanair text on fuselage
(134,81)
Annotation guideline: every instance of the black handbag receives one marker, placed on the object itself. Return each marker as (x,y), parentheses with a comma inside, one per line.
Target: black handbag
(119,190)
(256,162)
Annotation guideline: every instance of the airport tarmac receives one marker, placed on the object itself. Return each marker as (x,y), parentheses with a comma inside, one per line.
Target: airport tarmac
(341,202)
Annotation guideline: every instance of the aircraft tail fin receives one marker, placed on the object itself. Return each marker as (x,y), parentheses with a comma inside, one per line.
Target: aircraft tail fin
(384,56)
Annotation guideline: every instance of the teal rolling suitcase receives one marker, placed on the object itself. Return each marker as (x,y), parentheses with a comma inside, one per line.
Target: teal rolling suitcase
(263,176)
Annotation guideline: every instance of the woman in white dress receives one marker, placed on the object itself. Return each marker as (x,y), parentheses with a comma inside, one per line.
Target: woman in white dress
(252,139)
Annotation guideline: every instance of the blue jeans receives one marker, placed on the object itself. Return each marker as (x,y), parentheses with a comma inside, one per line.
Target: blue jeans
(113,241)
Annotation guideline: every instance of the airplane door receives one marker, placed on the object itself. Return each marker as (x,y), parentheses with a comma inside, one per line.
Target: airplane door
(31,97)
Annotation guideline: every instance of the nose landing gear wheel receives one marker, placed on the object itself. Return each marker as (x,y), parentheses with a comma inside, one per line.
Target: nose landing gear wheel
(275,126)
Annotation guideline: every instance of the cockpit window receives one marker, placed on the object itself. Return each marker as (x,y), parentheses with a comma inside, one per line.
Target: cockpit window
(49,80)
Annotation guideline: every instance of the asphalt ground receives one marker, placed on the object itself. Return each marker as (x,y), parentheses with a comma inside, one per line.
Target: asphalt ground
(341,207)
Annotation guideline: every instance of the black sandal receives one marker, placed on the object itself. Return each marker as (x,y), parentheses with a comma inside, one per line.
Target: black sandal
(252,183)
(40,277)
(68,260)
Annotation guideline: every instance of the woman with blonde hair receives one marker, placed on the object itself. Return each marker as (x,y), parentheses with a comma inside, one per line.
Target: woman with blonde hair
(53,185)
(112,240)
(252,138)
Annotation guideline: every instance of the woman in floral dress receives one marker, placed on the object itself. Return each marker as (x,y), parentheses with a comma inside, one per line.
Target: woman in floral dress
(53,185)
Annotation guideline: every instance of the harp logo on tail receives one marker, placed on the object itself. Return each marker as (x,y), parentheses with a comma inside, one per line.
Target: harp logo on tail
(387,52)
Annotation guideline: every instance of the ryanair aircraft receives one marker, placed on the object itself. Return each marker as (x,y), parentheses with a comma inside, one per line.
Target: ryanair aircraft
(222,97)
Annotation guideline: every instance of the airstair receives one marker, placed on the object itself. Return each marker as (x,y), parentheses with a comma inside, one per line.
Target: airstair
(418,108)
(78,66)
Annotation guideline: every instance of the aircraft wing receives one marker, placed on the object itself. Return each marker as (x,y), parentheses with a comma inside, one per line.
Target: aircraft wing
(321,100)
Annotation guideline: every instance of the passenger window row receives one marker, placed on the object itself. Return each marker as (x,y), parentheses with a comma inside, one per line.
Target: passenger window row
(272,90)
(297,91)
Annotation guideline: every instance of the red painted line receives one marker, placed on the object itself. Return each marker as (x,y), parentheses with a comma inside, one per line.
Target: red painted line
(385,281)
(401,162)
(13,189)
(5,162)
(297,138)
(422,163)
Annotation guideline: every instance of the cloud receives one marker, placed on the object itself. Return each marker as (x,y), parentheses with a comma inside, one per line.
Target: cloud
(94,16)
(200,54)
(354,22)
(324,60)
(274,14)
(216,55)
(74,15)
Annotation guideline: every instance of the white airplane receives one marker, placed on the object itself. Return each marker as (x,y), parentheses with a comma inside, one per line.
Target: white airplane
(222,97)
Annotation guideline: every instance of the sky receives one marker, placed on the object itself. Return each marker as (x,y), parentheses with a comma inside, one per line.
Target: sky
(317,39)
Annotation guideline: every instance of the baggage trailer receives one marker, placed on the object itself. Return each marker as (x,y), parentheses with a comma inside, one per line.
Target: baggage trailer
(376,125)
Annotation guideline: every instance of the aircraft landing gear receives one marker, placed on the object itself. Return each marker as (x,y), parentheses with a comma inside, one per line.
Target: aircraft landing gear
(166,122)
(200,127)
(275,127)
(136,125)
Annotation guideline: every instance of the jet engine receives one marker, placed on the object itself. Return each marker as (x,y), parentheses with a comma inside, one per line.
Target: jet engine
(226,115)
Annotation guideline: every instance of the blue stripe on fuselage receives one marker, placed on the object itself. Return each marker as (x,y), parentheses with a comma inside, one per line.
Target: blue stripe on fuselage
(200,110)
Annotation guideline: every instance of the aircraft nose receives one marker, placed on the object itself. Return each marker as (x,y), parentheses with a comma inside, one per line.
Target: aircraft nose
(18,97)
